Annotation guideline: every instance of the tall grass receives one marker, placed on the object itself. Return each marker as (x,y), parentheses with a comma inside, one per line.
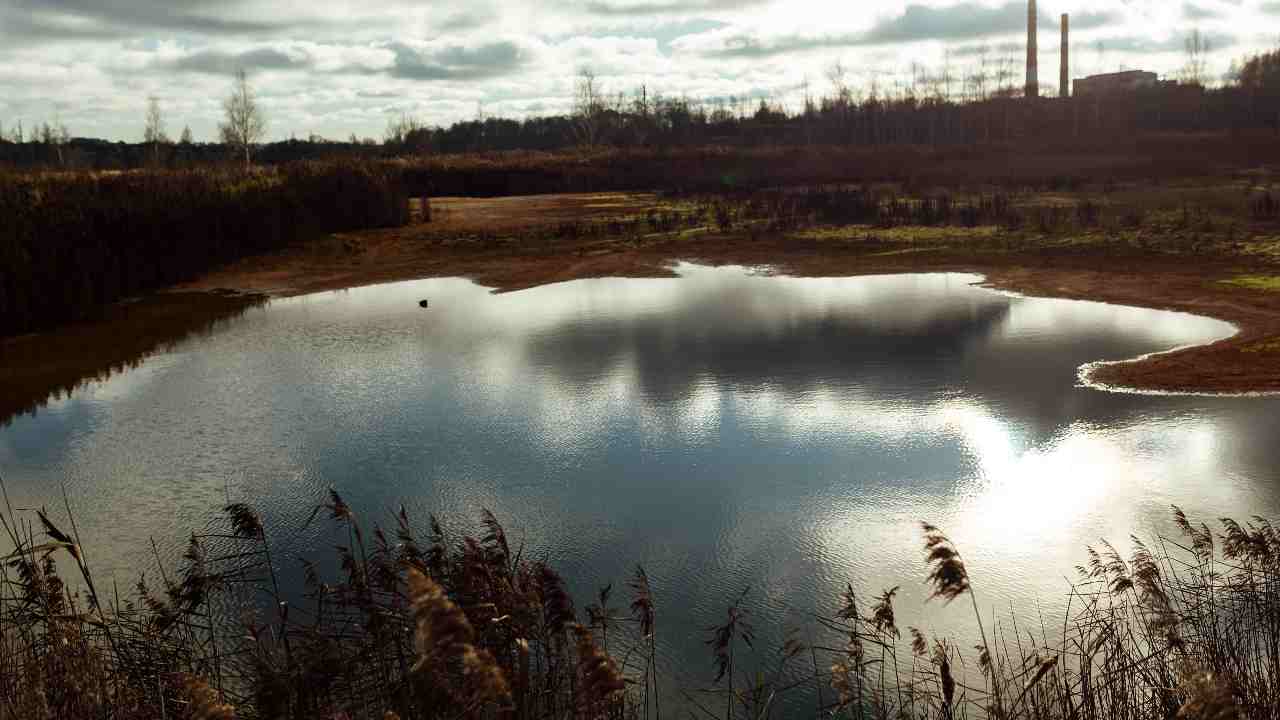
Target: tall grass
(428,626)
(72,243)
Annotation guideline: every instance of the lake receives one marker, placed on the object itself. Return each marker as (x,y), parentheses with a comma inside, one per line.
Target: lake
(727,429)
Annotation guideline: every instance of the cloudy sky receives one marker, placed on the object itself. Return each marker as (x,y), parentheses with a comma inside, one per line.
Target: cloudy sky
(336,67)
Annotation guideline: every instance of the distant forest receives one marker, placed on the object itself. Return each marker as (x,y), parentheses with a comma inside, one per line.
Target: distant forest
(928,111)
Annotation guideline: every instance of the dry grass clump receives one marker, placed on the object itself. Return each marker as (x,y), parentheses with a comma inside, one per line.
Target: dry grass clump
(203,701)
(599,682)
(444,641)
(440,628)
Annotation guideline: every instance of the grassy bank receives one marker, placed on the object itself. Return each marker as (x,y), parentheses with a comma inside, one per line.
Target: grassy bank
(73,243)
(431,626)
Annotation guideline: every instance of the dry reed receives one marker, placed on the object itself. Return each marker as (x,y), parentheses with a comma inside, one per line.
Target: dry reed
(1184,628)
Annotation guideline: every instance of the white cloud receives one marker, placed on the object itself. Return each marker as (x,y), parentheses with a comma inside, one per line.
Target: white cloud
(341,67)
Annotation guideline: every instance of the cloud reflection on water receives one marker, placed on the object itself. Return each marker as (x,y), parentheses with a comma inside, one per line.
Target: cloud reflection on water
(724,428)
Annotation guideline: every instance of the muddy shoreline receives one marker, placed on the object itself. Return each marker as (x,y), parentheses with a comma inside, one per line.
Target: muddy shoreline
(516,243)
(1246,363)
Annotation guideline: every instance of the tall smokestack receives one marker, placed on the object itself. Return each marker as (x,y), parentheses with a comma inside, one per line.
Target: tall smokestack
(1033,59)
(1064,74)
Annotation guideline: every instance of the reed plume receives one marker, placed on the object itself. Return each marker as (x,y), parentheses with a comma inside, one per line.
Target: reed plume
(203,700)
(1209,697)
(882,613)
(600,682)
(947,573)
(443,633)
(950,580)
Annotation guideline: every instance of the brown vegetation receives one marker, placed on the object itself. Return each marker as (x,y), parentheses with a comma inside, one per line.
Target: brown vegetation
(1038,160)
(1133,221)
(73,243)
(1166,246)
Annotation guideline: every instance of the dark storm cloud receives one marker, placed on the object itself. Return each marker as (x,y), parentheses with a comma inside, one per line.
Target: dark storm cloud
(663,7)
(1213,41)
(17,27)
(80,19)
(1192,11)
(456,63)
(464,21)
(916,23)
(442,63)
(668,33)
(216,62)
(996,50)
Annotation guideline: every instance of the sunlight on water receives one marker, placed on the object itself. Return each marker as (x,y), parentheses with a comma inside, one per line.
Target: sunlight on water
(726,429)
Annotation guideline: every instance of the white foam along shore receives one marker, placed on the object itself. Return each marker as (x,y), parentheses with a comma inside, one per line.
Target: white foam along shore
(1085,373)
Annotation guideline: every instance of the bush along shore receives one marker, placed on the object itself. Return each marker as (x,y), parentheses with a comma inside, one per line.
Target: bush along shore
(73,243)
(438,627)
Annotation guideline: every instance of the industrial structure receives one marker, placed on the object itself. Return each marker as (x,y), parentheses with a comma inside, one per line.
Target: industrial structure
(1033,59)
(1064,70)
(1095,85)
(1033,54)
(1114,83)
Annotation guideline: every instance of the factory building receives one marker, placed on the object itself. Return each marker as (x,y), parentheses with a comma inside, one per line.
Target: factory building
(1115,83)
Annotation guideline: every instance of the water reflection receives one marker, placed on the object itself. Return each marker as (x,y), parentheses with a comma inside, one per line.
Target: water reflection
(51,365)
(725,429)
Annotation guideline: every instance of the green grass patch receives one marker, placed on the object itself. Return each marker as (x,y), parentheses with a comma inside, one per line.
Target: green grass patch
(906,251)
(1270,283)
(903,234)
(1270,345)
(1266,245)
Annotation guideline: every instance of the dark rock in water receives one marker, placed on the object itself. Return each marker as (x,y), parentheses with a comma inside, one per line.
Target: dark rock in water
(422,303)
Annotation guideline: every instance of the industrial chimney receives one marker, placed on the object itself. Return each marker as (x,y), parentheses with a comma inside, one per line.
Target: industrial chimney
(1033,60)
(1064,74)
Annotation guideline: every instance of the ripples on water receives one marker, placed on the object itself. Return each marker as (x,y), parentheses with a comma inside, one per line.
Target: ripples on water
(725,429)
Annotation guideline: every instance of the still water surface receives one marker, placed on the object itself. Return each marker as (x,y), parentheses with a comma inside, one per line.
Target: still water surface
(726,429)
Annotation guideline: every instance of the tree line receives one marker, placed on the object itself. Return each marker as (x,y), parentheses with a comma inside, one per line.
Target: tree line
(51,145)
(933,108)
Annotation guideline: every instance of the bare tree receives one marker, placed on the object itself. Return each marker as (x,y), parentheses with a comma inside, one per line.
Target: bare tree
(837,75)
(154,134)
(246,124)
(186,135)
(639,116)
(588,108)
(1005,74)
(407,134)
(55,136)
(1197,47)
(946,75)
(981,74)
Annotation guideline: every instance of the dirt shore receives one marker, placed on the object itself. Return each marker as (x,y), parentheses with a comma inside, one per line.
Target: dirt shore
(495,242)
(521,242)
